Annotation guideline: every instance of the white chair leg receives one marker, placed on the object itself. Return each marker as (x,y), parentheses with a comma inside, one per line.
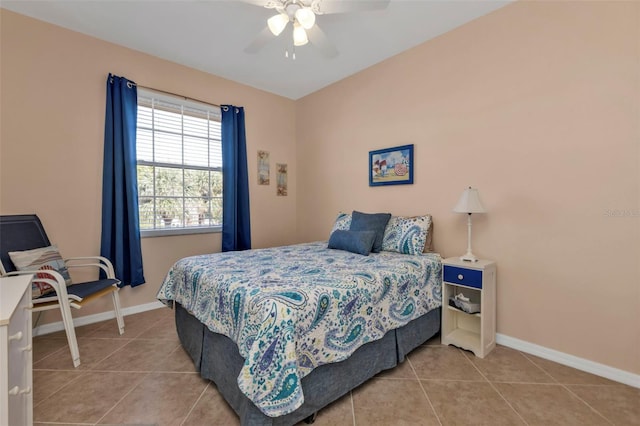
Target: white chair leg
(116,307)
(67,319)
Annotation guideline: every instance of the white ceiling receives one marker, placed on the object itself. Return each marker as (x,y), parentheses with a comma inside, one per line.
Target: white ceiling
(211,35)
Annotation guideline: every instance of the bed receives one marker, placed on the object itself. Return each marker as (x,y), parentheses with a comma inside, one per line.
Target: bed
(285,331)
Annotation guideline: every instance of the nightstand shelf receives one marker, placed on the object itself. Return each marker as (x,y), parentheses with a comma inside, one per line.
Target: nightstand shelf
(464,338)
(463,312)
(477,281)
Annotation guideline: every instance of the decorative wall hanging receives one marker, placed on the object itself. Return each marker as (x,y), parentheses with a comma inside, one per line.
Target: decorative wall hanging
(263,167)
(391,166)
(281,177)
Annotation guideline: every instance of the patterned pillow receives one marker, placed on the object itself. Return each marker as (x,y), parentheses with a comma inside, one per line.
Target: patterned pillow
(343,222)
(40,259)
(407,235)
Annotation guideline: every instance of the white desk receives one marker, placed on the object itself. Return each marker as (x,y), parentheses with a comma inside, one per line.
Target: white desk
(16,381)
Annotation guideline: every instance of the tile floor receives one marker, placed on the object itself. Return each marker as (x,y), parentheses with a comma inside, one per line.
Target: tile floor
(145,378)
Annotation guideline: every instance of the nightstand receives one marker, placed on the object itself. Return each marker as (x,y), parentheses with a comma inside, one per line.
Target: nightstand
(475,332)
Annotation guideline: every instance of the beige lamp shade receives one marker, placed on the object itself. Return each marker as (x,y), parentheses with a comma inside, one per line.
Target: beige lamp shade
(299,35)
(305,17)
(469,202)
(277,23)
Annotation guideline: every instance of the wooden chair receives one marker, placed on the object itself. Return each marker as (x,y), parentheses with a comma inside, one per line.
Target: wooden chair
(25,232)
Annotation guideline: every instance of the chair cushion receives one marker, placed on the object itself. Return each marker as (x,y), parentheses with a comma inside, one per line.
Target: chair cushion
(45,258)
(83,290)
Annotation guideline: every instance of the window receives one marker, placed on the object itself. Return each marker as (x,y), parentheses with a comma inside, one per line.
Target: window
(179,165)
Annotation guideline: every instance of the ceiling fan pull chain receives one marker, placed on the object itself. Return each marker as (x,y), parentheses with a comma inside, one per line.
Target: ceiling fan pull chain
(293,53)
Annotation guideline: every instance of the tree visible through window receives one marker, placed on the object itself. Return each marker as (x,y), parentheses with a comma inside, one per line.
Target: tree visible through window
(179,164)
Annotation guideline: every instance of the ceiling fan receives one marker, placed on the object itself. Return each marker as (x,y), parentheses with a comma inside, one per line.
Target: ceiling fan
(302,15)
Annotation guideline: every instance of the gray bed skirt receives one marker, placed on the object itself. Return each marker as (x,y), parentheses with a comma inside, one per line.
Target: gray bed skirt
(217,359)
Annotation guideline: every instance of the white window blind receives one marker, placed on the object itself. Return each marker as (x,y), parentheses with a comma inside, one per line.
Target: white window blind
(179,155)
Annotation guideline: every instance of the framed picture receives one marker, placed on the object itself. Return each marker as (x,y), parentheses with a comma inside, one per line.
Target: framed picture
(281,176)
(263,168)
(391,166)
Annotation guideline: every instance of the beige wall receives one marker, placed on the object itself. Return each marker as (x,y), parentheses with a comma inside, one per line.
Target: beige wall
(53,103)
(537,105)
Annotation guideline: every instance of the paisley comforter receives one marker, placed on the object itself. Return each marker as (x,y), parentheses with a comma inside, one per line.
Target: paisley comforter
(291,309)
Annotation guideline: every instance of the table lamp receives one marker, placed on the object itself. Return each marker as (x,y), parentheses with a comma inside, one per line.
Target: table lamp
(469,202)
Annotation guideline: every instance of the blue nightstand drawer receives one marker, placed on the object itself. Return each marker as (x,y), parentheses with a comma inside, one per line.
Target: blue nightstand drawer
(462,276)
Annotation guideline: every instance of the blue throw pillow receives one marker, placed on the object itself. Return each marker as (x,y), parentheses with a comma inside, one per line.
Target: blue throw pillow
(375,222)
(354,241)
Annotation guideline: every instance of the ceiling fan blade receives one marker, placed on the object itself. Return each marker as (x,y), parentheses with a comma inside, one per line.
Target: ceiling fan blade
(260,41)
(269,4)
(346,6)
(319,39)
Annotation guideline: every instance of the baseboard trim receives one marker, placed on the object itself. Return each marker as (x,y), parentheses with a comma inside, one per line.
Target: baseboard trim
(582,364)
(90,319)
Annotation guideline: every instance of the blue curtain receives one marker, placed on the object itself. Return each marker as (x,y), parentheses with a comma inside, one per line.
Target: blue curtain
(236,226)
(120,226)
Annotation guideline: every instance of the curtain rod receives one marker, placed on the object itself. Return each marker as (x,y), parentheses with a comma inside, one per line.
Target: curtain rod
(175,94)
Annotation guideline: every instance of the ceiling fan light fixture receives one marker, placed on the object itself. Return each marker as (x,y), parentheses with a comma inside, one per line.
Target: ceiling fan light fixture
(299,35)
(305,17)
(277,23)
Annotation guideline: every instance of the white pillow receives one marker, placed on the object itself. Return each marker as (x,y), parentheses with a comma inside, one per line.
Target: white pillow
(40,259)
